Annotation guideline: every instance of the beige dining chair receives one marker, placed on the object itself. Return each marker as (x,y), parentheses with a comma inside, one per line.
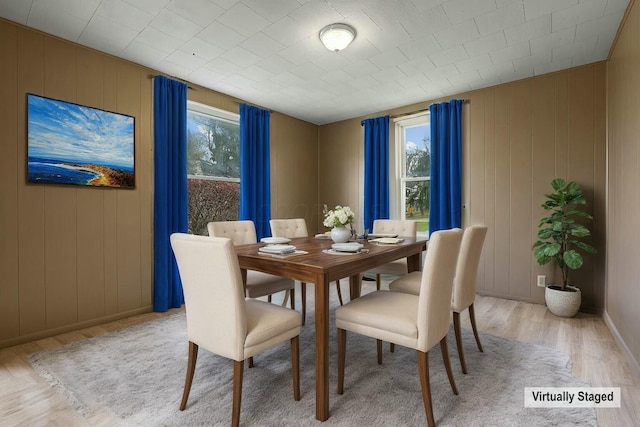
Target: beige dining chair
(219,317)
(291,228)
(415,321)
(406,228)
(464,284)
(258,284)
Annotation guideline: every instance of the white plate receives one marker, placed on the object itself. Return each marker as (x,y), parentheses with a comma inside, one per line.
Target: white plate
(387,240)
(334,252)
(274,240)
(376,235)
(278,249)
(346,247)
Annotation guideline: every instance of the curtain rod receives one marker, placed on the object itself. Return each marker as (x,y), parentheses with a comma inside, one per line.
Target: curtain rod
(395,116)
(152,76)
(410,113)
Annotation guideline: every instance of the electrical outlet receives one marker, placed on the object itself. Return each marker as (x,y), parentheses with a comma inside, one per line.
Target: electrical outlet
(542,281)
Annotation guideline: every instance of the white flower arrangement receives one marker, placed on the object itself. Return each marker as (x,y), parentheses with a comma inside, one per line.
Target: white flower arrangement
(339,217)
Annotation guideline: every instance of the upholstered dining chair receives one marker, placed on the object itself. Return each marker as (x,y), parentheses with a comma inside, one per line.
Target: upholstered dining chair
(406,228)
(258,284)
(291,228)
(464,284)
(219,317)
(415,321)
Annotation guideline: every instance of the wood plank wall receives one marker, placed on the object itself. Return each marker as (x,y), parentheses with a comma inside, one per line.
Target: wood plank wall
(70,254)
(623,227)
(341,171)
(516,138)
(533,130)
(294,170)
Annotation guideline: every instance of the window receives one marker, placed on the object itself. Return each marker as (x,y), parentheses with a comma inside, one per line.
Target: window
(213,166)
(413,142)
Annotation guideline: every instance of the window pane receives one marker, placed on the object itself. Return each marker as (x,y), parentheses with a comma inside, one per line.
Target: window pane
(417,199)
(414,151)
(213,168)
(213,146)
(417,151)
(211,200)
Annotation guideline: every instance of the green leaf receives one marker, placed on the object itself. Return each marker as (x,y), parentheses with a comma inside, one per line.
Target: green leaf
(551,249)
(580,231)
(573,259)
(541,257)
(545,233)
(585,246)
(544,220)
(579,213)
(557,184)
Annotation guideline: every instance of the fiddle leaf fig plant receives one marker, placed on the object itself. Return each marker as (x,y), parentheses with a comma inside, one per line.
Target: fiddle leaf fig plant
(559,234)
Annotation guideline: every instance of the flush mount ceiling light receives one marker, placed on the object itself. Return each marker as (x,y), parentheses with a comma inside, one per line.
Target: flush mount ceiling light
(336,37)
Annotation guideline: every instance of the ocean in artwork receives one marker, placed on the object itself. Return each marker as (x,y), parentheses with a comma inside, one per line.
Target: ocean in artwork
(58,172)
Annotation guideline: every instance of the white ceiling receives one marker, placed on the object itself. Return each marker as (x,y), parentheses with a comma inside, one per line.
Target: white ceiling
(267,52)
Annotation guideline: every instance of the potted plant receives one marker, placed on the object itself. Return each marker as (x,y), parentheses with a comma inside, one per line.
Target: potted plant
(338,219)
(559,241)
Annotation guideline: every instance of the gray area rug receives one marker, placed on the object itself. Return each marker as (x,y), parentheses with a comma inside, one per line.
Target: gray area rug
(137,375)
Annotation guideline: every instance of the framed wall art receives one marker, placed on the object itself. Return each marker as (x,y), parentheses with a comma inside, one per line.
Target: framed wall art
(74,144)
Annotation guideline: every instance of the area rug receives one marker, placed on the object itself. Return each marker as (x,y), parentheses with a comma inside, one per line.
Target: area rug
(136,375)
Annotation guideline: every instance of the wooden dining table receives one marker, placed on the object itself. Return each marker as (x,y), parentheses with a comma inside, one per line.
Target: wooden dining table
(321,267)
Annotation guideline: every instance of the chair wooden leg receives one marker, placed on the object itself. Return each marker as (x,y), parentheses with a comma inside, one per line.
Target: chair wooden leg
(191,369)
(456,328)
(392,347)
(238,368)
(423,371)
(342,350)
(269,298)
(293,298)
(251,362)
(472,316)
(285,300)
(377,282)
(379,351)
(339,292)
(303,296)
(447,364)
(295,366)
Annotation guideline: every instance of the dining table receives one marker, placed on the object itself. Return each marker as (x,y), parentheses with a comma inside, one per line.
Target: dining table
(316,262)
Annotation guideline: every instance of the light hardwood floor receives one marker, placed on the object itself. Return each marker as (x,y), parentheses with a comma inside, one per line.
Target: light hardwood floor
(26,399)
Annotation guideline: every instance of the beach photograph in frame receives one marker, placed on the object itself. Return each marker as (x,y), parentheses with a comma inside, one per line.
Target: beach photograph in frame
(74,144)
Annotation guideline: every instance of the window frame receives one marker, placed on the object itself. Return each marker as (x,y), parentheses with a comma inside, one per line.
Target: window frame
(399,176)
(218,114)
(212,198)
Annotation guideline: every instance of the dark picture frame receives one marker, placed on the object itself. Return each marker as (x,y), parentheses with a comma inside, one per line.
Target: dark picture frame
(75,144)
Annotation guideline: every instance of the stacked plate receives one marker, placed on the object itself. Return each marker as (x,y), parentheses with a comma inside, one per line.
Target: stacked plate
(275,240)
(387,240)
(278,249)
(347,247)
(381,235)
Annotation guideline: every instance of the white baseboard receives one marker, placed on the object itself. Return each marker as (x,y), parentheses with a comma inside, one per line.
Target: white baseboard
(633,362)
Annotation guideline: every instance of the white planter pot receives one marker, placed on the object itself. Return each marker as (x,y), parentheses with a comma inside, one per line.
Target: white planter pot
(563,303)
(340,234)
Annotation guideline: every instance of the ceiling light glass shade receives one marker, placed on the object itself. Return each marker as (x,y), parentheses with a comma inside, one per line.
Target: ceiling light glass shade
(336,37)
